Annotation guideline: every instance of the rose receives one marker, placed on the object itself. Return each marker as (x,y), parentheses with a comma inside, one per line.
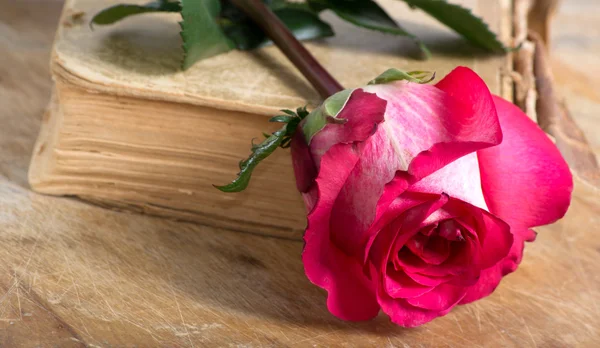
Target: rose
(420,197)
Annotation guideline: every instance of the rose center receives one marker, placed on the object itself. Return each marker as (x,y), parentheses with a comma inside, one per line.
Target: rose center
(433,244)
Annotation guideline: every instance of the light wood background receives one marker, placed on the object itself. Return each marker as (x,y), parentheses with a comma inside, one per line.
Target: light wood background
(74,275)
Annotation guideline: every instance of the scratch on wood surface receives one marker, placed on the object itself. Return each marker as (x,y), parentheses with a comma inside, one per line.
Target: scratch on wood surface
(68,263)
(33,249)
(499,331)
(457,323)
(85,328)
(180,313)
(281,331)
(142,328)
(5,297)
(528,331)
(582,275)
(317,336)
(475,311)
(19,303)
(461,338)
(36,300)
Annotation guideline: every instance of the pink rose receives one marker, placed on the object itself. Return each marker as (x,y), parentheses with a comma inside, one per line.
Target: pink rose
(421,197)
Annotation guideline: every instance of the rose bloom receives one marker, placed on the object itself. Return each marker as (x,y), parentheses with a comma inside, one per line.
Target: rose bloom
(424,197)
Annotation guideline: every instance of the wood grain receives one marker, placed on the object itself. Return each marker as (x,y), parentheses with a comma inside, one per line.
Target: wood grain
(77,275)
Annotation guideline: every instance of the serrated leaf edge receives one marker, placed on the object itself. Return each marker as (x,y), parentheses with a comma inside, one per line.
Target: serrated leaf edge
(469,11)
(280,138)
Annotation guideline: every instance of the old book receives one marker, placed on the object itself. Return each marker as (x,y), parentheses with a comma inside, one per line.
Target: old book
(128,129)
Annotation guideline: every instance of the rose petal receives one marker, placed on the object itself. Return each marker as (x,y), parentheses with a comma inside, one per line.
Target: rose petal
(362,113)
(356,206)
(302,161)
(393,213)
(401,312)
(393,236)
(425,129)
(525,180)
(325,265)
(475,128)
(404,314)
(438,216)
(450,230)
(464,85)
(495,239)
(441,298)
(409,262)
(436,251)
(491,277)
(459,179)
(493,234)
(311,197)
(399,285)
(391,206)
(429,229)
(429,280)
(417,244)
(464,260)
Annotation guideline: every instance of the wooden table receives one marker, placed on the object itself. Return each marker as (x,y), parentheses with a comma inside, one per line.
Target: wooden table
(72,274)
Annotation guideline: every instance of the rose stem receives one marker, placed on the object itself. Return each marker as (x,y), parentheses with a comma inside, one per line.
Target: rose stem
(321,80)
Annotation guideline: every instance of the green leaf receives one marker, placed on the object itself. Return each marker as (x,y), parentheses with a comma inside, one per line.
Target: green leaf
(289,112)
(281,118)
(202,36)
(367,14)
(393,74)
(334,104)
(305,25)
(259,153)
(211,27)
(326,113)
(461,20)
(279,138)
(116,13)
(279,4)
